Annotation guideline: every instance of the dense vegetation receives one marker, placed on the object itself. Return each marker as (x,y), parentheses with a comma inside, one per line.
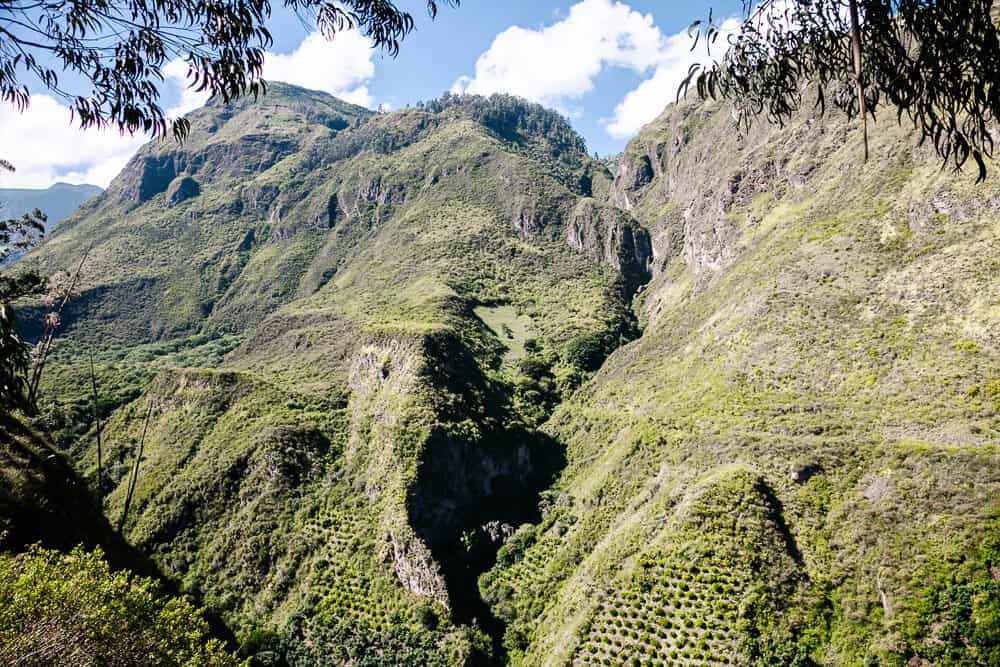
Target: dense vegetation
(434,387)
(69,608)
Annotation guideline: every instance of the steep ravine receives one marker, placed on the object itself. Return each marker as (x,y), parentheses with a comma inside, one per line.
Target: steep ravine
(485,491)
(469,497)
(351,330)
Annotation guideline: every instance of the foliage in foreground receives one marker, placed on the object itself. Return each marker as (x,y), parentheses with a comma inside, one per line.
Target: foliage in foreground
(69,608)
(934,63)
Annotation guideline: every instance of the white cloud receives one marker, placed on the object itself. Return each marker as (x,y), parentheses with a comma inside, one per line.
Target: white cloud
(341,66)
(46,147)
(646,101)
(190,99)
(560,62)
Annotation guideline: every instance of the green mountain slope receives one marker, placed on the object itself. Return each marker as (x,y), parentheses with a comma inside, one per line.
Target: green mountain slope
(69,606)
(346,329)
(383,422)
(42,500)
(797,462)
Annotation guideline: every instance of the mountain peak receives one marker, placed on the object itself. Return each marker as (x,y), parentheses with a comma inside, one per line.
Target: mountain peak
(511,117)
(279,93)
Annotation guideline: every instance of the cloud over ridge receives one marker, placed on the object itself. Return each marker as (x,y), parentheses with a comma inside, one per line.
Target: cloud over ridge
(561,61)
(558,64)
(45,147)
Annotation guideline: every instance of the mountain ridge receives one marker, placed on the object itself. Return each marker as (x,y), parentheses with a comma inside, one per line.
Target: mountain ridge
(326,313)
(442,374)
(57,201)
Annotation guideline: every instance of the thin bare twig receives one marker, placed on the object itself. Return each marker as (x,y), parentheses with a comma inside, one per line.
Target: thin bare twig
(135,466)
(50,332)
(856,52)
(100,427)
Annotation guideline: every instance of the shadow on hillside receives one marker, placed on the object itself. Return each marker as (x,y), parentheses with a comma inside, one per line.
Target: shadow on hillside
(469,497)
(129,309)
(43,501)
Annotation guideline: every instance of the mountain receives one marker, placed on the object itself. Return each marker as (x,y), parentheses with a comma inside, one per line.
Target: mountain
(797,461)
(348,327)
(56,201)
(436,387)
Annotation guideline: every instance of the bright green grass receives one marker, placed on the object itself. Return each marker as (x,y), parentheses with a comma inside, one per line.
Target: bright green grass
(509,327)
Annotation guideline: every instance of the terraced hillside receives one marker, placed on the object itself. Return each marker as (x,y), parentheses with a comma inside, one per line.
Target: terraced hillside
(331,336)
(360,352)
(819,375)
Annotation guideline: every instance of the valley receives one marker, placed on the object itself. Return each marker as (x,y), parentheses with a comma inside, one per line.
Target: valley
(437,387)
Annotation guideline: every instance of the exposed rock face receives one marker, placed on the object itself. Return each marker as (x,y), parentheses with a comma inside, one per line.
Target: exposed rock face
(152,171)
(527,222)
(464,484)
(460,484)
(368,199)
(660,178)
(611,236)
(385,364)
(332,205)
(633,175)
(416,568)
(803,472)
(383,374)
(149,177)
(259,196)
(181,189)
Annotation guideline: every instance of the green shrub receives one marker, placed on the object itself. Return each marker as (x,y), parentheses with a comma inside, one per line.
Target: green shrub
(69,608)
(585,352)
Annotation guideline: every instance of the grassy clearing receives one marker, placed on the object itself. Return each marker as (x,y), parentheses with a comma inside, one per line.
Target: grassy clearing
(512,329)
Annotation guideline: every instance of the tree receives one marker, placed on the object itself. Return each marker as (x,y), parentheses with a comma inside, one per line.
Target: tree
(71,609)
(16,234)
(935,63)
(121,48)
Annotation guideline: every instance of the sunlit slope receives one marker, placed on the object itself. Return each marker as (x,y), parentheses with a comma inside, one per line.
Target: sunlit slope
(820,370)
(309,301)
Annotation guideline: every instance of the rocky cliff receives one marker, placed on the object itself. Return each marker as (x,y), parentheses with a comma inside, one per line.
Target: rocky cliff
(818,375)
(737,403)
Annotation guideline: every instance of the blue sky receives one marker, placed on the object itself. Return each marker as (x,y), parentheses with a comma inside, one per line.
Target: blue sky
(608,65)
(439,52)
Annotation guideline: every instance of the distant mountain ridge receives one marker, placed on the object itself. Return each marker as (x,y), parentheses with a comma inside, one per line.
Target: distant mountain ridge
(56,201)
